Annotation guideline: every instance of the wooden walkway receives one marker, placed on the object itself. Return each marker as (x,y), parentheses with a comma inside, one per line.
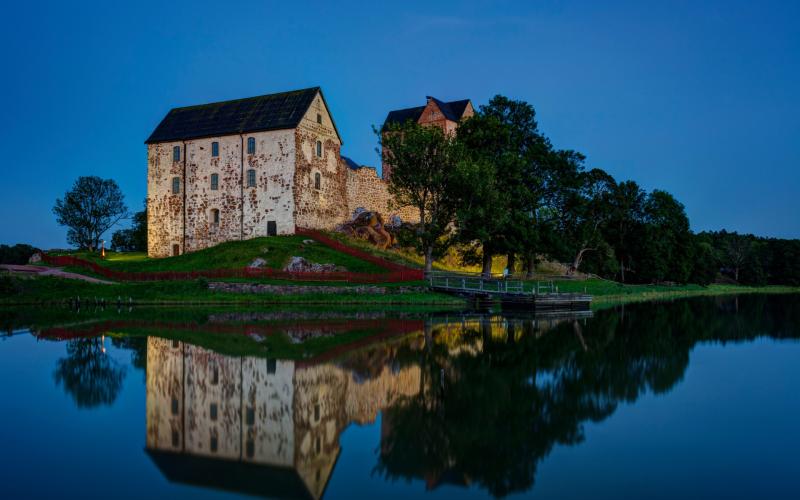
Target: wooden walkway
(511,292)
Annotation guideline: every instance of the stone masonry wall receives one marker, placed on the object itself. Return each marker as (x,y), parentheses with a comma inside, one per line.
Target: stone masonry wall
(366,190)
(325,207)
(164,209)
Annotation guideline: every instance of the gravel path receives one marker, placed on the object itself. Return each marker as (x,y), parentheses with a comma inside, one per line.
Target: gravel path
(51,271)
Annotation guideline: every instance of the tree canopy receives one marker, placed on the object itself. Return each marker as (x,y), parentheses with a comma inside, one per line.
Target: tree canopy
(89,209)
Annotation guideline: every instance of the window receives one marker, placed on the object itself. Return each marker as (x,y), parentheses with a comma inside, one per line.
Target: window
(251,178)
(174,406)
(272,366)
(318,443)
(251,145)
(176,153)
(250,416)
(175,344)
(213,444)
(176,249)
(215,149)
(176,439)
(250,446)
(316,412)
(212,411)
(214,182)
(319,118)
(317,180)
(215,221)
(214,369)
(319,149)
(176,185)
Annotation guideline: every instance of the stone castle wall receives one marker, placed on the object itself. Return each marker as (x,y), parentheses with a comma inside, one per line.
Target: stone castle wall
(164,209)
(366,190)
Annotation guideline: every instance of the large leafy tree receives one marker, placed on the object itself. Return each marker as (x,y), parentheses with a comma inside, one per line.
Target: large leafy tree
(667,248)
(425,169)
(626,205)
(89,209)
(503,138)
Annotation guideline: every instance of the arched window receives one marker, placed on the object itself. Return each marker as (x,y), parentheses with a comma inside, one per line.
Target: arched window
(251,178)
(215,149)
(251,145)
(176,185)
(214,182)
(319,149)
(176,153)
(214,217)
(319,118)
(317,180)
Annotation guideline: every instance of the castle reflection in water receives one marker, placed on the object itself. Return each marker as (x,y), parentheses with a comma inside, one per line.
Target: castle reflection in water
(257,411)
(270,426)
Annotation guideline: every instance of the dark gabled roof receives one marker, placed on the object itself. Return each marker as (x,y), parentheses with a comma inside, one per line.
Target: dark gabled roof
(350,163)
(451,110)
(228,475)
(279,111)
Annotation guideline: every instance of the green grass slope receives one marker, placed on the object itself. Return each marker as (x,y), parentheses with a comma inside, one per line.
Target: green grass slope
(276,250)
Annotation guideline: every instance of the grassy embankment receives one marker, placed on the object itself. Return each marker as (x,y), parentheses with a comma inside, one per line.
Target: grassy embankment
(277,251)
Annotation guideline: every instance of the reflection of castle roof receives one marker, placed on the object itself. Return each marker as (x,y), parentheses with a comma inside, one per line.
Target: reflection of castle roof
(232,476)
(452,110)
(280,111)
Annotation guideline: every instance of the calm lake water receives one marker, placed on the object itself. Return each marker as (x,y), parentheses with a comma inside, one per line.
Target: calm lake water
(692,399)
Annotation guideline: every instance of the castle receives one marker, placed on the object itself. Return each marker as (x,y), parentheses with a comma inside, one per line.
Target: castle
(263,166)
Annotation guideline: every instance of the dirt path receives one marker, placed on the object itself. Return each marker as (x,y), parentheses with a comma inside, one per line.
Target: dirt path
(51,271)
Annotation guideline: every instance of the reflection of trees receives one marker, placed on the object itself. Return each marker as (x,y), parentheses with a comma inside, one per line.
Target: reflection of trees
(490,418)
(90,376)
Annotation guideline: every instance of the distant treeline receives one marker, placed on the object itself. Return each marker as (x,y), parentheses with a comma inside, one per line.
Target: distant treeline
(17,254)
(499,187)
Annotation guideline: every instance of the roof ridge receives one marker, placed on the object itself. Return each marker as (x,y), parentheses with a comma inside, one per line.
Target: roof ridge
(228,101)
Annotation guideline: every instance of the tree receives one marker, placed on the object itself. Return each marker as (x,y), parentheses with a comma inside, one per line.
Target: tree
(425,168)
(666,250)
(133,239)
(89,209)
(503,139)
(625,219)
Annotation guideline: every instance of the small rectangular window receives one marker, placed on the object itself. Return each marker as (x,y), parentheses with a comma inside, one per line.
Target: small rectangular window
(176,438)
(175,406)
(251,178)
(213,444)
(316,412)
(214,149)
(176,185)
(319,118)
(250,448)
(214,369)
(317,180)
(214,182)
(251,146)
(250,416)
(319,149)
(176,153)
(272,366)
(212,411)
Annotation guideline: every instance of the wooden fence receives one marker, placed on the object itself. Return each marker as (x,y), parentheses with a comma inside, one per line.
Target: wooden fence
(396,272)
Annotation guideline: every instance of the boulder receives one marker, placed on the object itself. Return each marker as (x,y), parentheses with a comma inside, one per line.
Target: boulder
(300,265)
(35,258)
(369,226)
(257,263)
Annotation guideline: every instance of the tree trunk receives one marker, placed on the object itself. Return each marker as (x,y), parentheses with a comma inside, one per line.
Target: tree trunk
(736,274)
(578,259)
(428,259)
(531,266)
(511,262)
(622,269)
(487,263)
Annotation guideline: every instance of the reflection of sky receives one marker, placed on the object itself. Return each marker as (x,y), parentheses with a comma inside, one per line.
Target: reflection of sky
(726,430)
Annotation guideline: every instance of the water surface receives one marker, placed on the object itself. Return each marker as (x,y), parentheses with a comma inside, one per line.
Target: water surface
(693,398)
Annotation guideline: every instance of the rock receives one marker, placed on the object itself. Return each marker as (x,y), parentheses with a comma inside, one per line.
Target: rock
(368,226)
(308,242)
(300,265)
(258,263)
(264,249)
(35,258)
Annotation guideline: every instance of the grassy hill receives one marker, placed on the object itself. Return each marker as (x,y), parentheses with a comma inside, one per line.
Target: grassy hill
(275,250)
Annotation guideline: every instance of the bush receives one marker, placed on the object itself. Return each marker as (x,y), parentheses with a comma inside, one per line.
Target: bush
(18,254)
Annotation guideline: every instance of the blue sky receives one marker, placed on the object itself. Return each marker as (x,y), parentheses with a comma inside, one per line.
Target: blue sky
(698,98)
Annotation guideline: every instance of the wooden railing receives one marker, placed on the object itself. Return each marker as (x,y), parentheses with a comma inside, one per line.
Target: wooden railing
(475,283)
